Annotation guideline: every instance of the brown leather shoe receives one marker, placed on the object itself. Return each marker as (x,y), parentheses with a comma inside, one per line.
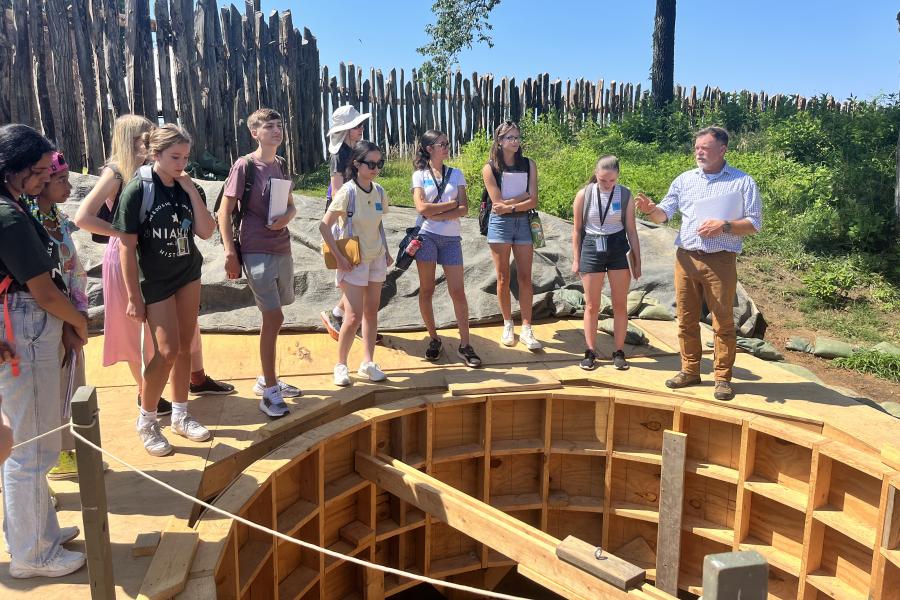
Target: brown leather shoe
(724,391)
(681,380)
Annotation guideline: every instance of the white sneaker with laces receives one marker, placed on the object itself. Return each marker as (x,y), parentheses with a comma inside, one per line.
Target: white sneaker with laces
(190,428)
(63,563)
(341,375)
(272,403)
(528,339)
(509,334)
(155,443)
(371,370)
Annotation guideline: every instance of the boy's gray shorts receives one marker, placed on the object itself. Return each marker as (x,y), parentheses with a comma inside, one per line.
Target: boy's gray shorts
(271,279)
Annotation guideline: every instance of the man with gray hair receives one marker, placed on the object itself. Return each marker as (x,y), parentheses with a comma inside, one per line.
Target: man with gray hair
(719,205)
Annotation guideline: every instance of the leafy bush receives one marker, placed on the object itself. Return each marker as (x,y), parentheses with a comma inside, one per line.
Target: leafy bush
(880,364)
(831,283)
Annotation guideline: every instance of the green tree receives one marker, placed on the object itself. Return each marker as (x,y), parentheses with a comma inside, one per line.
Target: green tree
(460,24)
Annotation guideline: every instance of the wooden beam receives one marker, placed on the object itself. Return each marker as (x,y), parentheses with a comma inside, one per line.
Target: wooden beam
(607,567)
(534,550)
(671,499)
(168,573)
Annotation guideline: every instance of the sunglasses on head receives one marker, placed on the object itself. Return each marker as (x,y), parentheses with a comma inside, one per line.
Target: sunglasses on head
(372,164)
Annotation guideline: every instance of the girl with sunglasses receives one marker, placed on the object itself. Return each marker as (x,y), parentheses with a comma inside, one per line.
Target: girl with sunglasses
(440,196)
(509,230)
(360,284)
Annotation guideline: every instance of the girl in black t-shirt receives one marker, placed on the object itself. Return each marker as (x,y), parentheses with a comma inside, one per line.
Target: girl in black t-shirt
(40,316)
(160,240)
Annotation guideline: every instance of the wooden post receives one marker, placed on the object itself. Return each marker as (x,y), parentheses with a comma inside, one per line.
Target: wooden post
(730,575)
(671,499)
(92,488)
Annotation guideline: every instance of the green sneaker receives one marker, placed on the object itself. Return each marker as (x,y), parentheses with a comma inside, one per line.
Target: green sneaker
(66,467)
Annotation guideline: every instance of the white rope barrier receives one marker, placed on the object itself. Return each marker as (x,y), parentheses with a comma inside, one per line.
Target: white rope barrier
(326,551)
(43,435)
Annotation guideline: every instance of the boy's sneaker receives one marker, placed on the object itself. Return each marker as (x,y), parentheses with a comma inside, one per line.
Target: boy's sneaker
(509,335)
(211,387)
(467,353)
(371,370)
(590,360)
(155,443)
(434,349)
(341,375)
(190,428)
(619,361)
(332,323)
(287,390)
(272,404)
(527,338)
(66,467)
(163,408)
(63,563)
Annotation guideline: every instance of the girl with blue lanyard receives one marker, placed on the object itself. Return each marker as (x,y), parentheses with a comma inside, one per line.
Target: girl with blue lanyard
(440,196)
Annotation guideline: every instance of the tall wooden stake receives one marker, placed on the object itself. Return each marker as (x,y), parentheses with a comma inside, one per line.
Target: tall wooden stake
(93,494)
(671,499)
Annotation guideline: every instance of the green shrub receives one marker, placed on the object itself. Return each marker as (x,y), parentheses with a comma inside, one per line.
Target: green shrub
(880,364)
(831,283)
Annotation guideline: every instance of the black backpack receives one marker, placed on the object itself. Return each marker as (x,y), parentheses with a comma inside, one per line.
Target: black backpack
(484,211)
(240,207)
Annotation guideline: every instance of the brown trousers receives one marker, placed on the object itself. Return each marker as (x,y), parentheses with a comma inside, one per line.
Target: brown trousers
(713,277)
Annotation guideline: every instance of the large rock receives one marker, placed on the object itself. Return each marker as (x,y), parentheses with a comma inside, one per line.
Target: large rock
(228,305)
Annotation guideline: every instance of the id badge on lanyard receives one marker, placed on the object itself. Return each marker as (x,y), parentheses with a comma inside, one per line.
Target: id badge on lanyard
(182,247)
(601,244)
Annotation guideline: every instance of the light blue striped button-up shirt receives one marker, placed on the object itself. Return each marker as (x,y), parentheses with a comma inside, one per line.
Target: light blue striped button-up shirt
(694,185)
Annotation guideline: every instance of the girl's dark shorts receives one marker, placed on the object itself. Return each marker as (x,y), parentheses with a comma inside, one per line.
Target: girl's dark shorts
(614,259)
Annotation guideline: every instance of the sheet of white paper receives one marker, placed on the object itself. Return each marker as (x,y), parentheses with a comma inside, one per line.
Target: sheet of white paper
(728,207)
(279,192)
(513,184)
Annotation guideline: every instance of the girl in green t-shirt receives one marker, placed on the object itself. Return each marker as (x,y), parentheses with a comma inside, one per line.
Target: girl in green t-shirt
(160,240)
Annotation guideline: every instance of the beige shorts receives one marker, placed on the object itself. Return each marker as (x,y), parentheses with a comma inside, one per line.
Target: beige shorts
(374,271)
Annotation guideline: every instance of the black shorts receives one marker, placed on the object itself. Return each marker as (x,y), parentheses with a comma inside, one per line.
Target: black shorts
(614,259)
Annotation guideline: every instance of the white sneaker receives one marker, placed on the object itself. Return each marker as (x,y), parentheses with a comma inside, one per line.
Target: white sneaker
(63,563)
(287,390)
(272,403)
(190,428)
(155,443)
(371,370)
(528,339)
(341,375)
(509,335)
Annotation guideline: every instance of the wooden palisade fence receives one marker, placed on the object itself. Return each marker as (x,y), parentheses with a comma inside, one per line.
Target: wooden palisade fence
(463,106)
(69,67)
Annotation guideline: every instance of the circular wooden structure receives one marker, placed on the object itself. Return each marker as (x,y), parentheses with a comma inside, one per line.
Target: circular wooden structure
(583,461)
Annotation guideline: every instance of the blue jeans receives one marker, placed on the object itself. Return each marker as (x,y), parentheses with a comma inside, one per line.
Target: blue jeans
(31,403)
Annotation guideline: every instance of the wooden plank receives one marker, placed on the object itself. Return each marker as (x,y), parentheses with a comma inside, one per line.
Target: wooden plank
(671,491)
(606,566)
(171,564)
(467,383)
(530,547)
(87,79)
(890,455)
(145,544)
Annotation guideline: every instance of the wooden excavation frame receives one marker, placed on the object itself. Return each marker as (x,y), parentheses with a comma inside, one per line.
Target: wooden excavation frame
(464,488)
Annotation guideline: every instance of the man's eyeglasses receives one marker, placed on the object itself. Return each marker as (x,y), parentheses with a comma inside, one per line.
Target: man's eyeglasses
(372,164)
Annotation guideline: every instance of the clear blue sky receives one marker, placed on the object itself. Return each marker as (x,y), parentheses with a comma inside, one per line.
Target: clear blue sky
(780,46)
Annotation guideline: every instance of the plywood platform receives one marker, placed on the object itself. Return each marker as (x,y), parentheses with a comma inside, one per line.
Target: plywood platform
(306,360)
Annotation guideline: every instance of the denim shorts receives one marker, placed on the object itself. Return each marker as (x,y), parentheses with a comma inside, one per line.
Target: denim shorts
(614,259)
(271,279)
(445,250)
(509,229)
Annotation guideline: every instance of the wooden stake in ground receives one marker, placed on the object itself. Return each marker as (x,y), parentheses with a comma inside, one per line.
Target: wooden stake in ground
(86,419)
(671,498)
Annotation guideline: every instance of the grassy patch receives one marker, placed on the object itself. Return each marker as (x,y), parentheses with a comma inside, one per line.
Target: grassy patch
(880,364)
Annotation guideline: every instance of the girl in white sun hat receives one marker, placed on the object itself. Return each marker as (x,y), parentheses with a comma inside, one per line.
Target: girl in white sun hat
(347,126)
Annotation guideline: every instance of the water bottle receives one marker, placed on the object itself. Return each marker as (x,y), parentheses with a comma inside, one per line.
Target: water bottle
(406,257)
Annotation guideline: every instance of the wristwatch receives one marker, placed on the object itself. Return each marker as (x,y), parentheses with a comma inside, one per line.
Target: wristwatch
(513,208)
(726,227)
